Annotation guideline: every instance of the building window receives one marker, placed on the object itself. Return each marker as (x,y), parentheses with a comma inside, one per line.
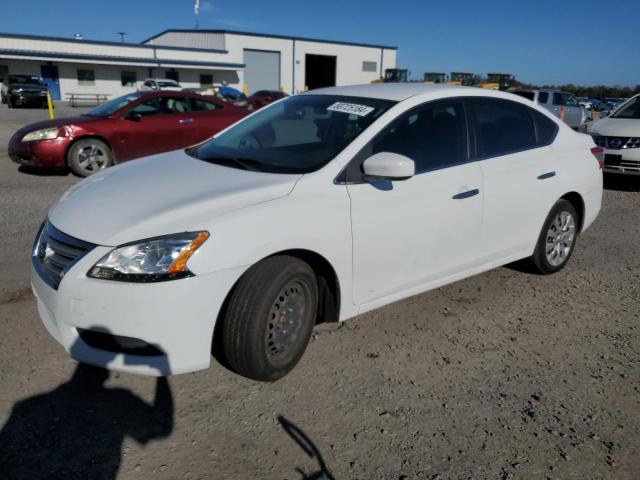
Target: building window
(172,75)
(86,77)
(369,66)
(206,80)
(128,79)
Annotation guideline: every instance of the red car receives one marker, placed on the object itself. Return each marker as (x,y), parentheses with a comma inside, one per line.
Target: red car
(127,127)
(264,97)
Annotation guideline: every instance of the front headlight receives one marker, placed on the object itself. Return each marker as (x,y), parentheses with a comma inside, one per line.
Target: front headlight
(153,260)
(43,134)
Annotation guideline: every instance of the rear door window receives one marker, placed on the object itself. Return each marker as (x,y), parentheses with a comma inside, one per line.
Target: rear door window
(502,127)
(546,129)
(564,99)
(543,97)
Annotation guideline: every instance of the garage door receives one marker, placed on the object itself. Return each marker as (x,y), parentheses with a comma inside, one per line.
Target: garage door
(262,71)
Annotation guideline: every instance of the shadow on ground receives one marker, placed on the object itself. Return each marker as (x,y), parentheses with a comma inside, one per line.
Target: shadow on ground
(77,429)
(305,443)
(43,171)
(622,183)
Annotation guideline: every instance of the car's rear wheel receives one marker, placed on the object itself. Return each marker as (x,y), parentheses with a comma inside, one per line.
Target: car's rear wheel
(270,317)
(88,156)
(557,239)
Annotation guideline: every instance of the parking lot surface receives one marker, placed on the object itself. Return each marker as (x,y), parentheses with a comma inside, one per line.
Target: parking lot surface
(504,375)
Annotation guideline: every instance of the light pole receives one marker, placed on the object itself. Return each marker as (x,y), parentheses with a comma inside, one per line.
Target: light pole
(122,35)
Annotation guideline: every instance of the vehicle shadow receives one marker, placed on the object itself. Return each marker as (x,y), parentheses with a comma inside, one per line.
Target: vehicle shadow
(43,172)
(77,429)
(305,443)
(622,183)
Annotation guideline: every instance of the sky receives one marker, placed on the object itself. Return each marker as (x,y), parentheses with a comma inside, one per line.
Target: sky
(585,42)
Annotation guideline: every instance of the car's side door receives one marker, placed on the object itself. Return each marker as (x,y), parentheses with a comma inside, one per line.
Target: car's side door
(408,233)
(519,172)
(160,124)
(210,117)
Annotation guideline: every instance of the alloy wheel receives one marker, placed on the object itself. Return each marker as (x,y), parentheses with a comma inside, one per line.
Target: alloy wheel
(560,238)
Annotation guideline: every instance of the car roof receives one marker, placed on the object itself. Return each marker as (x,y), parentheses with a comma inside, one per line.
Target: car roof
(384,91)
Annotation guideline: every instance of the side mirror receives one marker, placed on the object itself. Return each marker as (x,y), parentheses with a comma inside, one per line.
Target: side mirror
(133,116)
(388,166)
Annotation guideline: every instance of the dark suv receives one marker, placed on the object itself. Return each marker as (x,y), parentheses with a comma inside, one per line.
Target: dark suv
(24,90)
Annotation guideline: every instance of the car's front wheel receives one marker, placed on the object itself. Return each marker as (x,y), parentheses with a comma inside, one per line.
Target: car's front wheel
(88,156)
(270,317)
(557,239)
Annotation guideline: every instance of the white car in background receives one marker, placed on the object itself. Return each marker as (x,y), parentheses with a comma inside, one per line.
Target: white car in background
(316,208)
(619,136)
(157,84)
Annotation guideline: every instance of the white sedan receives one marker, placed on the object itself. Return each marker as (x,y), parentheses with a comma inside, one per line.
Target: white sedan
(619,136)
(317,208)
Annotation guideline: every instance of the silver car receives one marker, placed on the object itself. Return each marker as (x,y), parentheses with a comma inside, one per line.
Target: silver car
(562,104)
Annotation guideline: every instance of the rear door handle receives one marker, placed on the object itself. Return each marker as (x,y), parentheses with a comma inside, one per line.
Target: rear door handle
(186,120)
(544,176)
(467,194)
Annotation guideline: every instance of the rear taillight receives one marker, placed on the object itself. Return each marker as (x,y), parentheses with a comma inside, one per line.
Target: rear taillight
(598,152)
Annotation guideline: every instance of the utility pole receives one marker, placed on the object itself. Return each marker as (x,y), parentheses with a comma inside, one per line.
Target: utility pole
(122,35)
(196,11)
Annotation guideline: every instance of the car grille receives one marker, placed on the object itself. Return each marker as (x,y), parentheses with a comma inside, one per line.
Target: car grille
(54,253)
(616,143)
(615,163)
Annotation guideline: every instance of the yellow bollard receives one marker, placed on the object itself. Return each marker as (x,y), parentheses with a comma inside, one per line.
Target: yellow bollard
(50,105)
(245,89)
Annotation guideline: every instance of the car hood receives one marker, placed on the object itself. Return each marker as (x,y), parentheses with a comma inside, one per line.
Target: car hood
(616,127)
(58,122)
(158,195)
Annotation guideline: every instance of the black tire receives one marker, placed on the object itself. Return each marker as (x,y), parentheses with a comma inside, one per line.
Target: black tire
(258,342)
(88,156)
(10,103)
(540,261)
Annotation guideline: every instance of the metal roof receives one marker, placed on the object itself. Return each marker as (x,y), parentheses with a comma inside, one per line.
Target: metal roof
(117,59)
(103,42)
(268,35)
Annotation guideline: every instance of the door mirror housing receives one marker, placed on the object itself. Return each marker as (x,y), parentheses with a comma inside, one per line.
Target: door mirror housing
(388,166)
(133,116)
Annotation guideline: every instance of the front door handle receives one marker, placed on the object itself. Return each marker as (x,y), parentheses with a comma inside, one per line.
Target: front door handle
(467,194)
(544,176)
(186,120)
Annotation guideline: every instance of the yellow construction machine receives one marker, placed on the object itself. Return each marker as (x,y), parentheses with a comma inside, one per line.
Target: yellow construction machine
(435,77)
(498,81)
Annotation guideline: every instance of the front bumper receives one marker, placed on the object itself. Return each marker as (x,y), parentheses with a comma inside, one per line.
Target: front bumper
(628,163)
(176,317)
(30,99)
(43,153)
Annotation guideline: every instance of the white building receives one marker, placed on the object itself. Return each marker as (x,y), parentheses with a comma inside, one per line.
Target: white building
(196,58)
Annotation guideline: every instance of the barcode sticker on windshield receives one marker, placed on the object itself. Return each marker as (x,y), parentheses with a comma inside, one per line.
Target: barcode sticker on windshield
(353,108)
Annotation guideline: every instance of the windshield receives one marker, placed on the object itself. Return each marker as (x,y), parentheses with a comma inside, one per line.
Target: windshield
(24,79)
(112,106)
(163,83)
(298,135)
(631,109)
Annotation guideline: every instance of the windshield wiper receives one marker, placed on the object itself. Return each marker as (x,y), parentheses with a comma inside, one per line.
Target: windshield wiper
(243,163)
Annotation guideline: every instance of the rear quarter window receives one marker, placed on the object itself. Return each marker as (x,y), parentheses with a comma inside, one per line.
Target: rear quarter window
(543,97)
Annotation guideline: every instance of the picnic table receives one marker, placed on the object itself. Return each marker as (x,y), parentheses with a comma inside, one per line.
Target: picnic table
(85,99)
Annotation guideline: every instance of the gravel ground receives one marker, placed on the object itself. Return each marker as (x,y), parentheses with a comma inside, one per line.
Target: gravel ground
(505,375)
